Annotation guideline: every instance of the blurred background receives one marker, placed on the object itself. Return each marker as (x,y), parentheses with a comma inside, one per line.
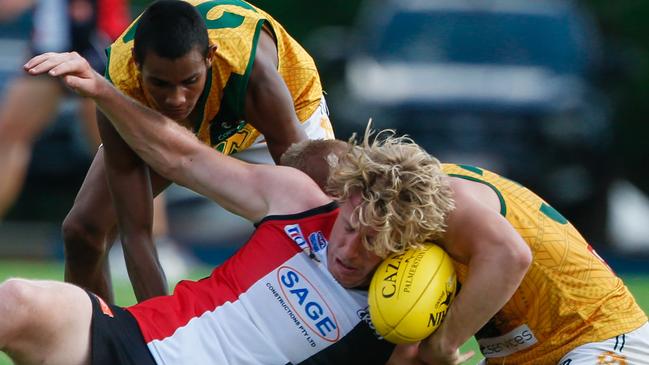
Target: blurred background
(552,94)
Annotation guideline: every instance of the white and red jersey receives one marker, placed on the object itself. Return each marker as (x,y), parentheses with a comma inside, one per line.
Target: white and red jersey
(271,303)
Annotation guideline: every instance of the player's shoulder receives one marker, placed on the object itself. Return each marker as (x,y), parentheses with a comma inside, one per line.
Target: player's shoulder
(226,13)
(292,191)
(121,69)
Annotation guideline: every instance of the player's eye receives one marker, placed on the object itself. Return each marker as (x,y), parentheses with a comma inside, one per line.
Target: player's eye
(191,81)
(157,82)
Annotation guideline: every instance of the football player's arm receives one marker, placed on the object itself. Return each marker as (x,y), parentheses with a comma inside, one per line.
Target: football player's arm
(251,191)
(269,105)
(176,154)
(130,187)
(497,257)
(248,190)
(408,354)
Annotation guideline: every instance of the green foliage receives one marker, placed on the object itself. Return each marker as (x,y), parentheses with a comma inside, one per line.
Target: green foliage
(625,34)
(301,17)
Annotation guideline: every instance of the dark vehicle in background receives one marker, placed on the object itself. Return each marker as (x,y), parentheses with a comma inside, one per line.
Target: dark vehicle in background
(505,85)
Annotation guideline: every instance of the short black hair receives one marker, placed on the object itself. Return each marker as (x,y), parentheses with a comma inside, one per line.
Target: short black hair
(171,29)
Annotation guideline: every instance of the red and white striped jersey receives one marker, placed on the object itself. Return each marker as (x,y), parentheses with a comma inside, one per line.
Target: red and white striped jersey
(270,303)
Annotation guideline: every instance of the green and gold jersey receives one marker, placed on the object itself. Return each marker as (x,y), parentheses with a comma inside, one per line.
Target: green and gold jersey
(568,297)
(234,27)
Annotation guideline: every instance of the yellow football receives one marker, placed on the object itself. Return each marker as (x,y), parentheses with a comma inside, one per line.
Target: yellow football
(411,292)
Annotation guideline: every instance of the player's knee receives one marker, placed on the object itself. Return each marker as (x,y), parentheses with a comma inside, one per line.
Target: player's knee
(13,291)
(82,237)
(17,299)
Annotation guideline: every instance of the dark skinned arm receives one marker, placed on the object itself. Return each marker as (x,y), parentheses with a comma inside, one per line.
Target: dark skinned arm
(130,187)
(269,104)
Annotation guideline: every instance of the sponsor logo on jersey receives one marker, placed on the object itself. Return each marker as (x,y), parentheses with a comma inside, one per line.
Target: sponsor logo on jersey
(610,357)
(364,315)
(306,333)
(294,232)
(516,340)
(308,303)
(105,309)
(317,241)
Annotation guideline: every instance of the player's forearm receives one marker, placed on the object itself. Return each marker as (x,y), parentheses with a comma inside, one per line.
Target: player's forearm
(269,103)
(176,154)
(130,187)
(158,140)
(491,282)
(144,270)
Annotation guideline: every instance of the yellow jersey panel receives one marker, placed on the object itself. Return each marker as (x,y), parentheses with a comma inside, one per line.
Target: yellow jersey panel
(234,27)
(568,297)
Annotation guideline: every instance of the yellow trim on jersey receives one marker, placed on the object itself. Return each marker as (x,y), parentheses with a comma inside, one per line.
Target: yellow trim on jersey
(234,27)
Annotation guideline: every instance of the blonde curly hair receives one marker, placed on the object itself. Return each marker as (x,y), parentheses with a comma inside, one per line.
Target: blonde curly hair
(405,196)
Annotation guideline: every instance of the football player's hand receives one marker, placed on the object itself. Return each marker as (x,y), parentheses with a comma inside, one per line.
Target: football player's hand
(70,67)
(417,354)
(455,358)
(432,352)
(405,355)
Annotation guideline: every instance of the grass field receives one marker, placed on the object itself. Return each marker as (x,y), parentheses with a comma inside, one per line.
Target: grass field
(638,284)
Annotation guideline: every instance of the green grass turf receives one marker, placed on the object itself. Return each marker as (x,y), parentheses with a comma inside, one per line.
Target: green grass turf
(638,284)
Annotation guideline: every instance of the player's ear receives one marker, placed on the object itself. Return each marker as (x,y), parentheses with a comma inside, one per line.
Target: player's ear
(211,54)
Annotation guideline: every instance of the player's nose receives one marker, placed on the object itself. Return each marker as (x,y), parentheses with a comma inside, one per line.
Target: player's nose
(352,247)
(176,97)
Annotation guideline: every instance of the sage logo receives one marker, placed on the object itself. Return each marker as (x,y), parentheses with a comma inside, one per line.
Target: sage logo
(308,303)
(294,232)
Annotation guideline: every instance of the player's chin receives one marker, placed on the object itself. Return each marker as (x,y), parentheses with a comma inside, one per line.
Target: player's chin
(178,115)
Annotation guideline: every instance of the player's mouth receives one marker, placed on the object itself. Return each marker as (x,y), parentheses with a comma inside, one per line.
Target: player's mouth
(345,269)
(176,114)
